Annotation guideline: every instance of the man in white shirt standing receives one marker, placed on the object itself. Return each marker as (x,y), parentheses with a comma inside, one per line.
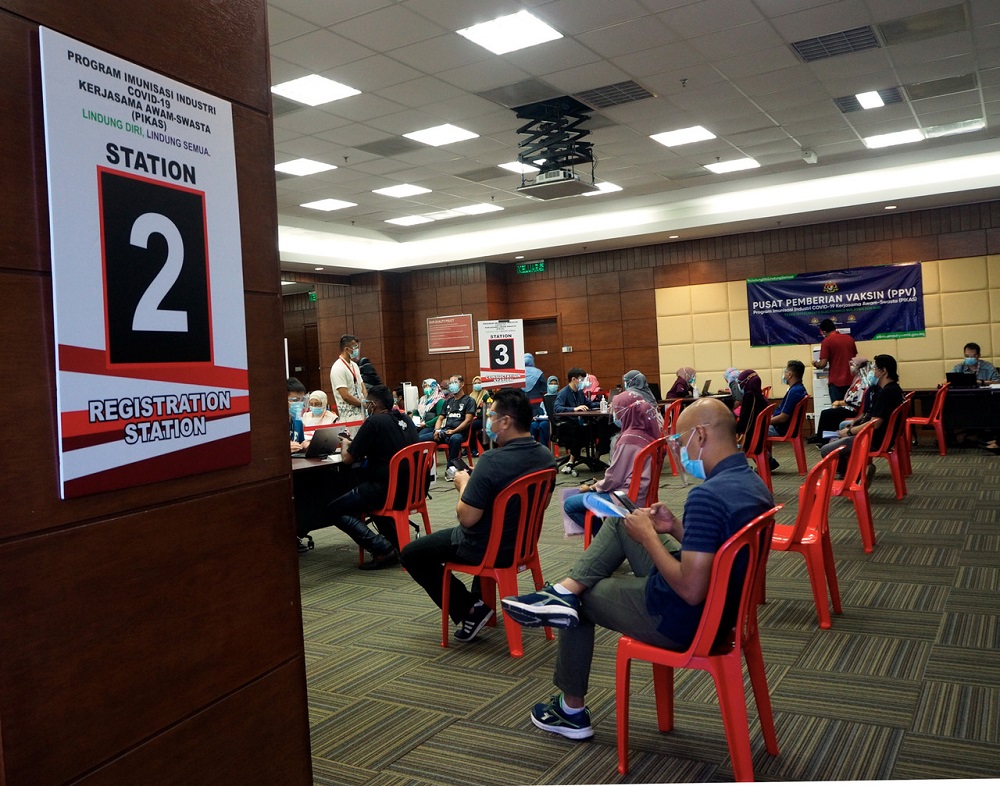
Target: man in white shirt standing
(348,387)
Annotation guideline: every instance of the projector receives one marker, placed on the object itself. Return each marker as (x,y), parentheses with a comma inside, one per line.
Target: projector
(556,184)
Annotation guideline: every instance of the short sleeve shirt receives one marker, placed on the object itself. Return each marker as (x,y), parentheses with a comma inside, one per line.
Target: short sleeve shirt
(793,396)
(838,348)
(347,375)
(455,410)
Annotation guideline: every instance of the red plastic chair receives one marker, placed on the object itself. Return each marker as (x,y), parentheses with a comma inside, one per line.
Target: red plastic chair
(757,447)
(532,493)
(722,660)
(794,435)
(810,535)
(892,450)
(466,446)
(654,453)
(854,484)
(935,420)
(903,444)
(671,412)
(766,392)
(418,459)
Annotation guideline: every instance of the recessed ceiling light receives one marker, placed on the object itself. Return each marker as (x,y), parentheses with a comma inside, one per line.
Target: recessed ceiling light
(961,127)
(870,100)
(303,166)
(510,33)
(440,135)
(409,221)
(896,138)
(603,188)
(724,167)
(517,166)
(520,257)
(288,283)
(314,90)
(402,190)
(890,207)
(319,268)
(328,204)
(441,215)
(479,207)
(683,136)
(673,237)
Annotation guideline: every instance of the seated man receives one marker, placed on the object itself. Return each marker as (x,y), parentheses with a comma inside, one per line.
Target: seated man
(572,432)
(508,424)
(456,416)
(782,417)
(973,364)
(662,603)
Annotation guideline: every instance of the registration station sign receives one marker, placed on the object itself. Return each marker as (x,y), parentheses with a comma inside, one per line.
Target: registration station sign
(501,353)
(147,273)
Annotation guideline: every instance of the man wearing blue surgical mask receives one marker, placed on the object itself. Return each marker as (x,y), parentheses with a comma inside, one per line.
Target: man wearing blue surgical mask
(347,384)
(661,604)
(456,416)
(973,364)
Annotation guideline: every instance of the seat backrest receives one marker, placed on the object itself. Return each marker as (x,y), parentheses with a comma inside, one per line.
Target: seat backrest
(671,412)
(858,460)
(814,496)
(531,493)
(766,392)
(410,465)
(761,425)
(654,453)
(892,430)
(797,419)
(937,408)
(749,547)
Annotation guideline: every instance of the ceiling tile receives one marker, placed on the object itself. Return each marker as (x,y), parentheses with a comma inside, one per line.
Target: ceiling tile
(823,19)
(573,17)
(281,25)
(319,51)
(389,28)
(323,14)
(370,74)
(628,37)
(709,16)
(743,40)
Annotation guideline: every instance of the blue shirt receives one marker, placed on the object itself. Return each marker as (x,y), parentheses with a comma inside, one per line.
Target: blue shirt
(795,394)
(730,498)
(569,399)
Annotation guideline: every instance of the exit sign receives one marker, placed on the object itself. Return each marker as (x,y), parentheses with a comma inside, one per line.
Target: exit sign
(312,296)
(532,267)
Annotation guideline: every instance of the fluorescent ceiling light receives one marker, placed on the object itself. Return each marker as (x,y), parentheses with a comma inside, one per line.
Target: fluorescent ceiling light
(409,221)
(441,135)
(288,283)
(475,210)
(603,188)
(441,215)
(402,190)
(303,166)
(328,204)
(870,100)
(314,90)
(896,138)
(724,167)
(517,166)
(961,127)
(683,136)
(510,33)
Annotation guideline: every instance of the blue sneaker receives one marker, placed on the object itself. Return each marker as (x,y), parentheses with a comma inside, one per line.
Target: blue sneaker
(545,607)
(552,717)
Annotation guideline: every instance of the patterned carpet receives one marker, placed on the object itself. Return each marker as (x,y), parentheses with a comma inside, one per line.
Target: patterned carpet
(906,685)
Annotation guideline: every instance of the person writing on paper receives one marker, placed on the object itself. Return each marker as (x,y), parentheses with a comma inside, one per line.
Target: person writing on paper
(973,364)
(661,604)
(637,421)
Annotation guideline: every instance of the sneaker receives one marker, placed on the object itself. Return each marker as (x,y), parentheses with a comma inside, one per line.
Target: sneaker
(377,562)
(305,544)
(566,468)
(449,474)
(545,607)
(774,463)
(472,624)
(552,717)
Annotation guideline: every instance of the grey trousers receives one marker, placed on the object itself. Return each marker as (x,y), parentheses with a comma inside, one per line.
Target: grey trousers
(615,602)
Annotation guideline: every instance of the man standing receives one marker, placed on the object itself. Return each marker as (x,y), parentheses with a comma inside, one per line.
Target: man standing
(836,352)
(973,364)
(347,384)
(572,432)
(508,423)
(661,604)
(456,417)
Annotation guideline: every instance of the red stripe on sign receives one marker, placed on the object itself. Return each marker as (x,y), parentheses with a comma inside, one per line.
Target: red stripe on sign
(82,360)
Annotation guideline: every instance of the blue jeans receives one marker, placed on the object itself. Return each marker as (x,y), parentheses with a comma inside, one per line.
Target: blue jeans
(540,431)
(577,511)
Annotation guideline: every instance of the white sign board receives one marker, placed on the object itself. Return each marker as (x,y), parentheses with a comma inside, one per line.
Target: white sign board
(147,273)
(501,353)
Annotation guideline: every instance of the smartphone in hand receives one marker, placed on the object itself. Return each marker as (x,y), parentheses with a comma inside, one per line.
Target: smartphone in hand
(460,465)
(623,499)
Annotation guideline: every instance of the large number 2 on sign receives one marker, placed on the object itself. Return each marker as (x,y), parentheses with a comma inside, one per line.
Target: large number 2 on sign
(148,314)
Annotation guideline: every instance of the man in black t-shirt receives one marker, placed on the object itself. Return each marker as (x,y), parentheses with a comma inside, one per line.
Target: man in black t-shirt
(379,438)
(456,417)
(508,423)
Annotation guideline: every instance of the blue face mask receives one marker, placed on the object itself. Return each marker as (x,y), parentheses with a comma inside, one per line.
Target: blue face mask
(295,409)
(454,387)
(317,411)
(971,361)
(356,353)
(617,422)
(693,467)
(553,388)
(476,387)
(489,431)
(872,379)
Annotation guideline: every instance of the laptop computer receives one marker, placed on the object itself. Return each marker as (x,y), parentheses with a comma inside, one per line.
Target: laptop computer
(706,389)
(959,379)
(325,442)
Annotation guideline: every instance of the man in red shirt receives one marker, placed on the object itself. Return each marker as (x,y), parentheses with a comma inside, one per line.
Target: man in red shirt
(836,351)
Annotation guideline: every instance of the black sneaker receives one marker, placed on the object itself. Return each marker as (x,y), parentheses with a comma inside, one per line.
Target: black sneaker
(544,607)
(473,623)
(552,717)
(305,544)
(773,463)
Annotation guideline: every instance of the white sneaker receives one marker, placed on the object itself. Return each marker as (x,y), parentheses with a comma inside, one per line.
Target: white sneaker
(566,468)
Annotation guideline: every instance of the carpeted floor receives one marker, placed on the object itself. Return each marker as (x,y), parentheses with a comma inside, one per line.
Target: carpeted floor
(906,685)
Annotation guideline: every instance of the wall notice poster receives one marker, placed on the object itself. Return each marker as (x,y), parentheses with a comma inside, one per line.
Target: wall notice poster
(868,302)
(450,334)
(147,273)
(501,353)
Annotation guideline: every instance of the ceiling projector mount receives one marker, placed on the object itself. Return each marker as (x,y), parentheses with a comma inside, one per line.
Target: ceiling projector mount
(553,143)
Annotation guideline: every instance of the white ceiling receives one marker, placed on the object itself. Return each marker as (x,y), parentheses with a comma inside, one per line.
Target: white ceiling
(724,64)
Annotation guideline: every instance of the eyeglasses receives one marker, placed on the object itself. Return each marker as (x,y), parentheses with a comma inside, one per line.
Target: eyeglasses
(296,399)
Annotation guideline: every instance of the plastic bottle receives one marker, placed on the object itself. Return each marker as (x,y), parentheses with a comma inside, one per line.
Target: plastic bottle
(604,405)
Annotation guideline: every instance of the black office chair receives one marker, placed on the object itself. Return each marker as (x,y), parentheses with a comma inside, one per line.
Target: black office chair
(549,402)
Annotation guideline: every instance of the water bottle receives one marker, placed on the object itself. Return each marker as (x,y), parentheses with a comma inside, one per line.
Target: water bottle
(604,405)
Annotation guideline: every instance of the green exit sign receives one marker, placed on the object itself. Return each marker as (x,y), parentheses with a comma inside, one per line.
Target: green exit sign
(312,296)
(532,267)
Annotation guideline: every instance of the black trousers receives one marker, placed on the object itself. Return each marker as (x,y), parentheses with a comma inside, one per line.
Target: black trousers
(424,558)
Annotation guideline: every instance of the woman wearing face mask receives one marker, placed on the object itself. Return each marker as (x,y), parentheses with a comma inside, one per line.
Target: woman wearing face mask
(483,400)
(636,418)
(752,402)
(429,407)
(635,381)
(316,413)
(683,386)
(847,409)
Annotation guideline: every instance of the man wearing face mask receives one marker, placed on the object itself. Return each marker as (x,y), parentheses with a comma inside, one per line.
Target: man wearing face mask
(456,417)
(296,406)
(508,423)
(347,384)
(572,432)
(973,364)
(662,603)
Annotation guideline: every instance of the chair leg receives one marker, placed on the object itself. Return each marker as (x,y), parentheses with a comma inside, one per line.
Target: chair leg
(673,463)
(588,529)
(898,479)
(863,512)
(799,446)
(663,689)
(817,580)
(764,469)
(758,681)
(445,603)
(508,586)
(831,574)
(536,575)
(623,667)
(728,676)
(939,433)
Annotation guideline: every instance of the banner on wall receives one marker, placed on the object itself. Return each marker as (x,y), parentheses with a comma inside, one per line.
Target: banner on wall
(869,303)
(147,273)
(501,353)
